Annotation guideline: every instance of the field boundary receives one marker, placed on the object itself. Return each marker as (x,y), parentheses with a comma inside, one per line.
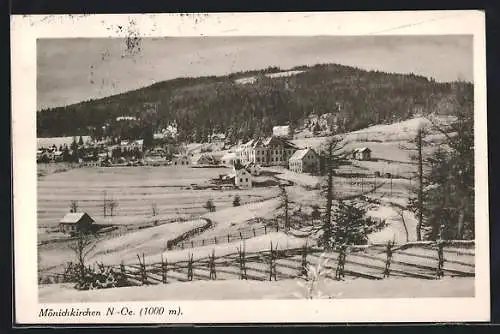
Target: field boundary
(424,260)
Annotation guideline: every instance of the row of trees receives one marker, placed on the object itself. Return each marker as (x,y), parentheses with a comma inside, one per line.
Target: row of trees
(442,199)
(202,106)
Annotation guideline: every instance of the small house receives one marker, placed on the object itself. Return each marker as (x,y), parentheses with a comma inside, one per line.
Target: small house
(304,161)
(205,159)
(362,153)
(242,177)
(74,222)
(230,159)
(181,160)
(58,156)
(284,131)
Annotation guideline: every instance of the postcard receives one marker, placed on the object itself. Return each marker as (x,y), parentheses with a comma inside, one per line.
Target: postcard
(250,168)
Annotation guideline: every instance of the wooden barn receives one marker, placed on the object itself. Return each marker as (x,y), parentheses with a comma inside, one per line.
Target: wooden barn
(74,222)
(362,153)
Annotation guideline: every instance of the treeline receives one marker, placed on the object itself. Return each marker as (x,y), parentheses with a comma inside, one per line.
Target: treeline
(206,105)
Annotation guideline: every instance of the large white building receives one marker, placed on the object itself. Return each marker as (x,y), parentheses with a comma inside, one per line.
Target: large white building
(273,151)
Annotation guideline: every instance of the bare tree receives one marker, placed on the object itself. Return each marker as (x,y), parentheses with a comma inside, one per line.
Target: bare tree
(83,245)
(104,204)
(154,209)
(73,206)
(285,203)
(112,204)
(402,216)
(210,206)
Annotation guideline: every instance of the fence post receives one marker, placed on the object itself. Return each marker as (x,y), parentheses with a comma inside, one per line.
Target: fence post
(304,261)
(277,226)
(190,268)
(362,184)
(272,263)
(241,236)
(215,240)
(440,272)
(192,244)
(391,183)
(203,242)
(388,250)
(265,229)
(253,232)
(163,270)
(242,262)
(211,264)
(228,238)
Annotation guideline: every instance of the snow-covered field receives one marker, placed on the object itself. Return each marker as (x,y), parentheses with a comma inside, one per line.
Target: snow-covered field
(148,241)
(250,80)
(394,230)
(115,249)
(135,189)
(254,290)
(232,219)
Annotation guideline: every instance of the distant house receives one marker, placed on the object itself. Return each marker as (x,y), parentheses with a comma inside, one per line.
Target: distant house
(362,153)
(126,118)
(181,160)
(205,159)
(230,159)
(58,156)
(304,161)
(242,177)
(132,144)
(284,131)
(74,222)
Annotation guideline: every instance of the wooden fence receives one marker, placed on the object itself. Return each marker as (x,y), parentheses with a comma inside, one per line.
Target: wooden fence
(242,234)
(423,260)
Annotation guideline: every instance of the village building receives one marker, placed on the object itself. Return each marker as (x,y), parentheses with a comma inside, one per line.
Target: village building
(230,159)
(242,177)
(74,222)
(273,151)
(284,131)
(58,156)
(362,153)
(304,161)
(132,145)
(181,160)
(205,159)
(126,118)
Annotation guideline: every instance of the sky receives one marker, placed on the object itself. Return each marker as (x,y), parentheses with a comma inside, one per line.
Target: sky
(75,70)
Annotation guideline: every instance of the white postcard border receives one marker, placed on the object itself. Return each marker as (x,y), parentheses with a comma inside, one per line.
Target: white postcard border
(26,29)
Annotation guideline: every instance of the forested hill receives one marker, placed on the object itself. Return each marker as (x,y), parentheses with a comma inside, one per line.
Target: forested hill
(200,106)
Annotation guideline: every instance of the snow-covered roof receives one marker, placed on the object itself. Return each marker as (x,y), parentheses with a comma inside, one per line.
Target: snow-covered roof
(229,156)
(299,154)
(362,149)
(73,217)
